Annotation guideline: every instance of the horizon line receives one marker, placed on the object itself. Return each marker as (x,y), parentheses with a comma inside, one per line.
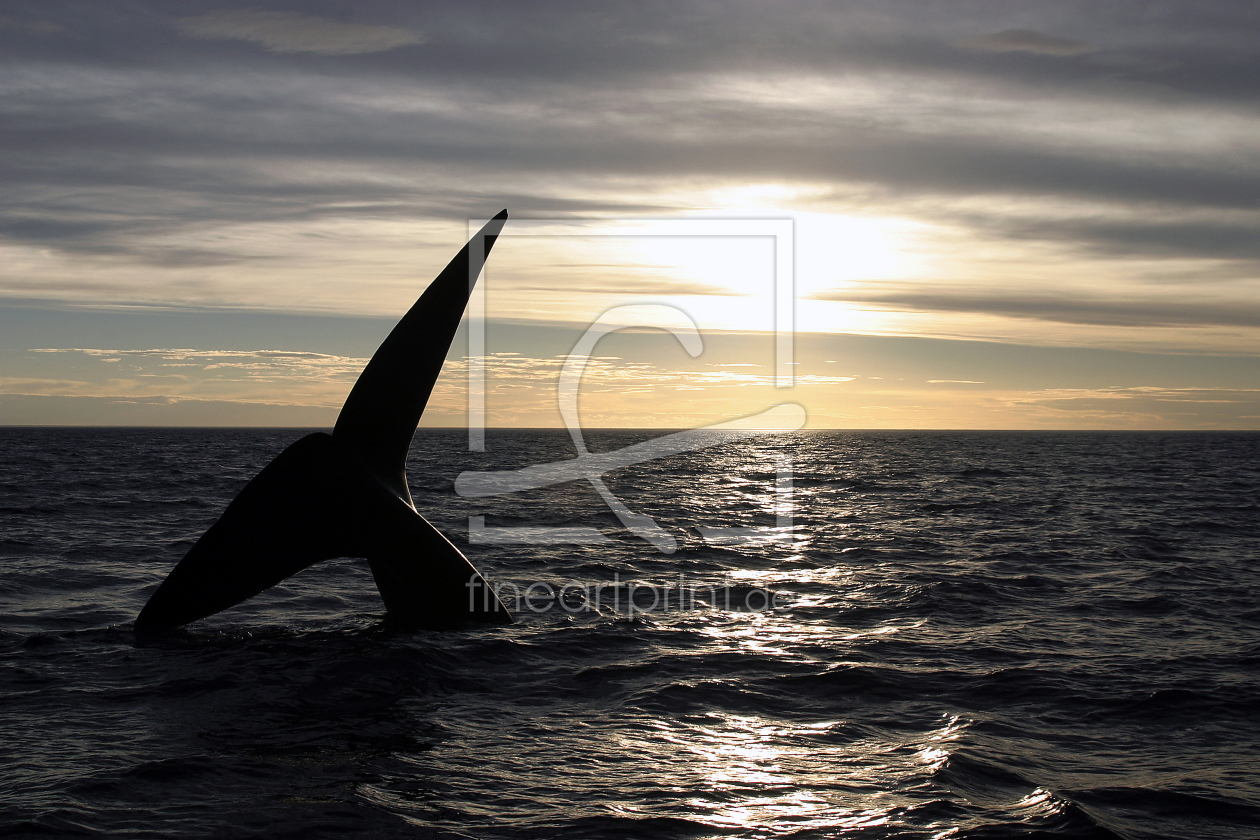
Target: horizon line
(616,428)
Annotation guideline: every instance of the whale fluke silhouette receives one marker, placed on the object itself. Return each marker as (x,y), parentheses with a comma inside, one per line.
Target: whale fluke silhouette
(345,494)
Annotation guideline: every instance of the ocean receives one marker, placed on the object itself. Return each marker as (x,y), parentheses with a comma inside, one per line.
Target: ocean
(917,635)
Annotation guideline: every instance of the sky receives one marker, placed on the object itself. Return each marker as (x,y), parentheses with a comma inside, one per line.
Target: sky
(999,215)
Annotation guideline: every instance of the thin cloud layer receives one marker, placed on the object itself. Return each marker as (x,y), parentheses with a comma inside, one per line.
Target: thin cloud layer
(1028,40)
(1081,310)
(292,32)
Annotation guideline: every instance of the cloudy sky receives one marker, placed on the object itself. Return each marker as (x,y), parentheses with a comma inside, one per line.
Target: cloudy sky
(1003,214)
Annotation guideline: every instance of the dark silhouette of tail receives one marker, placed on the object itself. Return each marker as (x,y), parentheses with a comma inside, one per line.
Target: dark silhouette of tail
(381,413)
(345,494)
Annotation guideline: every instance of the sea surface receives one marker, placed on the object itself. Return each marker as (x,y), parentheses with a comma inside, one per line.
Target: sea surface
(919,635)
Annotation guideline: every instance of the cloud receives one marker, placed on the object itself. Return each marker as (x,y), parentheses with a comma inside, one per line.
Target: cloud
(208,172)
(292,32)
(131,410)
(293,363)
(279,377)
(633,285)
(1149,406)
(1066,309)
(512,371)
(1027,40)
(1231,236)
(30,26)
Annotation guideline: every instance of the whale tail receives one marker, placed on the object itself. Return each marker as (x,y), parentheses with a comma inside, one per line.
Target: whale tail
(345,494)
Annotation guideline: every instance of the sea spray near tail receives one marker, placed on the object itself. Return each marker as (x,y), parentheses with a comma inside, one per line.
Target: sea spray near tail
(345,494)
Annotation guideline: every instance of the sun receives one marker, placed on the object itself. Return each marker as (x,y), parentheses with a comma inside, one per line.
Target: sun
(726,273)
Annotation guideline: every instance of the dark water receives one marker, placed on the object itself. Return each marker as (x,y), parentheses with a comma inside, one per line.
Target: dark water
(978,635)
